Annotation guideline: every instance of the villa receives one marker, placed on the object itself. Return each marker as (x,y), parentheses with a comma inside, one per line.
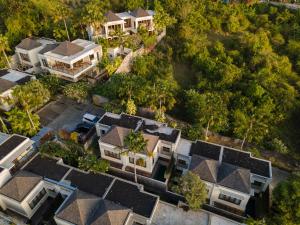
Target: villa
(127,22)
(232,176)
(71,61)
(45,183)
(8,80)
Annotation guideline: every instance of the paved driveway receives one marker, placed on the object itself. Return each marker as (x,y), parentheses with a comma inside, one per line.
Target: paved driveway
(167,214)
(66,113)
(278,175)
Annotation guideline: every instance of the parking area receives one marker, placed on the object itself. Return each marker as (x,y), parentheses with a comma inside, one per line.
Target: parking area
(167,214)
(65,113)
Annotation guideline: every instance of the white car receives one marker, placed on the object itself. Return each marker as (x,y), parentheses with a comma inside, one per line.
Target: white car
(90,118)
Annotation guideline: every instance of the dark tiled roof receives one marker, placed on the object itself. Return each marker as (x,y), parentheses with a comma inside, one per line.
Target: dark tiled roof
(47,167)
(207,169)
(126,121)
(3,72)
(96,184)
(10,144)
(24,80)
(48,47)
(85,209)
(207,150)
(79,208)
(115,136)
(67,48)
(111,17)
(243,159)
(6,85)
(165,137)
(28,44)
(140,13)
(234,177)
(20,185)
(130,196)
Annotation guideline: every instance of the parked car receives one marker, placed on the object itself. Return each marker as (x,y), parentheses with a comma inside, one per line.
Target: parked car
(90,118)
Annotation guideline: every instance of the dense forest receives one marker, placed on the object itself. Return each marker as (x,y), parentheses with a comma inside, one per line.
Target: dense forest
(231,68)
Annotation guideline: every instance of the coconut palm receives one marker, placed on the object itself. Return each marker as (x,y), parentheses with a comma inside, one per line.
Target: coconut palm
(135,143)
(4,47)
(62,14)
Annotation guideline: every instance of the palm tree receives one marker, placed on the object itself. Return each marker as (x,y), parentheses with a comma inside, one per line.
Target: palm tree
(3,47)
(4,127)
(62,14)
(135,143)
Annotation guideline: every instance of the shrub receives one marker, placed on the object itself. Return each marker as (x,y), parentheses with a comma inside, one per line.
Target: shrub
(77,91)
(279,146)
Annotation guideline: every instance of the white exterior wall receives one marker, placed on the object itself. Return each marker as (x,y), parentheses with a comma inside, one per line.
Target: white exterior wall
(51,60)
(20,150)
(217,189)
(6,95)
(124,158)
(32,54)
(4,176)
(59,221)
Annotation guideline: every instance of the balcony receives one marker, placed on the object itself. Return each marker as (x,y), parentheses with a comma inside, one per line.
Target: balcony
(66,68)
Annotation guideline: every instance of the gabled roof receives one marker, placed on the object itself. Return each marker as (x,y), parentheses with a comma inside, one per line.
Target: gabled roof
(151,141)
(207,169)
(86,209)
(20,185)
(67,48)
(234,177)
(139,12)
(48,47)
(111,17)
(28,44)
(116,136)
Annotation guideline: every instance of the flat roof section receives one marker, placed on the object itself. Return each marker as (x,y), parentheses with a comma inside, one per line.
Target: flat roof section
(10,144)
(124,120)
(96,184)
(130,196)
(244,159)
(207,150)
(46,167)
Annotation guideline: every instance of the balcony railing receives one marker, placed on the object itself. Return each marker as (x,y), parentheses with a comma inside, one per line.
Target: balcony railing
(72,71)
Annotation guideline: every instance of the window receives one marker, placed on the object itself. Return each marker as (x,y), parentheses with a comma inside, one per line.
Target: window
(37,198)
(182,162)
(102,131)
(257,183)
(131,160)
(127,23)
(92,57)
(24,57)
(166,149)
(112,154)
(45,63)
(230,199)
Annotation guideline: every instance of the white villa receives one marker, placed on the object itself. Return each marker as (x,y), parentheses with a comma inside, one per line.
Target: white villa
(127,22)
(8,80)
(69,60)
(231,176)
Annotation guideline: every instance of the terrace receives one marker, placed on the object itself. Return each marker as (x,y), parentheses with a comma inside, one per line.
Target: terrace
(71,69)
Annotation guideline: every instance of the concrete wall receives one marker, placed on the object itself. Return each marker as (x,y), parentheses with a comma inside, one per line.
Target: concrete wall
(223,190)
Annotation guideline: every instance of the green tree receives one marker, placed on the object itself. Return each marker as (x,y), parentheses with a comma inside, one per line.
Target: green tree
(208,109)
(78,91)
(193,189)
(135,143)
(134,4)
(62,14)
(21,124)
(93,13)
(91,163)
(30,97)
(4,47)
(161,18)
(252,221)
(53,84)
(286,202)
(130,107)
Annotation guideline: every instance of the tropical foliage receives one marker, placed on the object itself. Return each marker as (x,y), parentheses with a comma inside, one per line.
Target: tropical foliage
(91,163)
